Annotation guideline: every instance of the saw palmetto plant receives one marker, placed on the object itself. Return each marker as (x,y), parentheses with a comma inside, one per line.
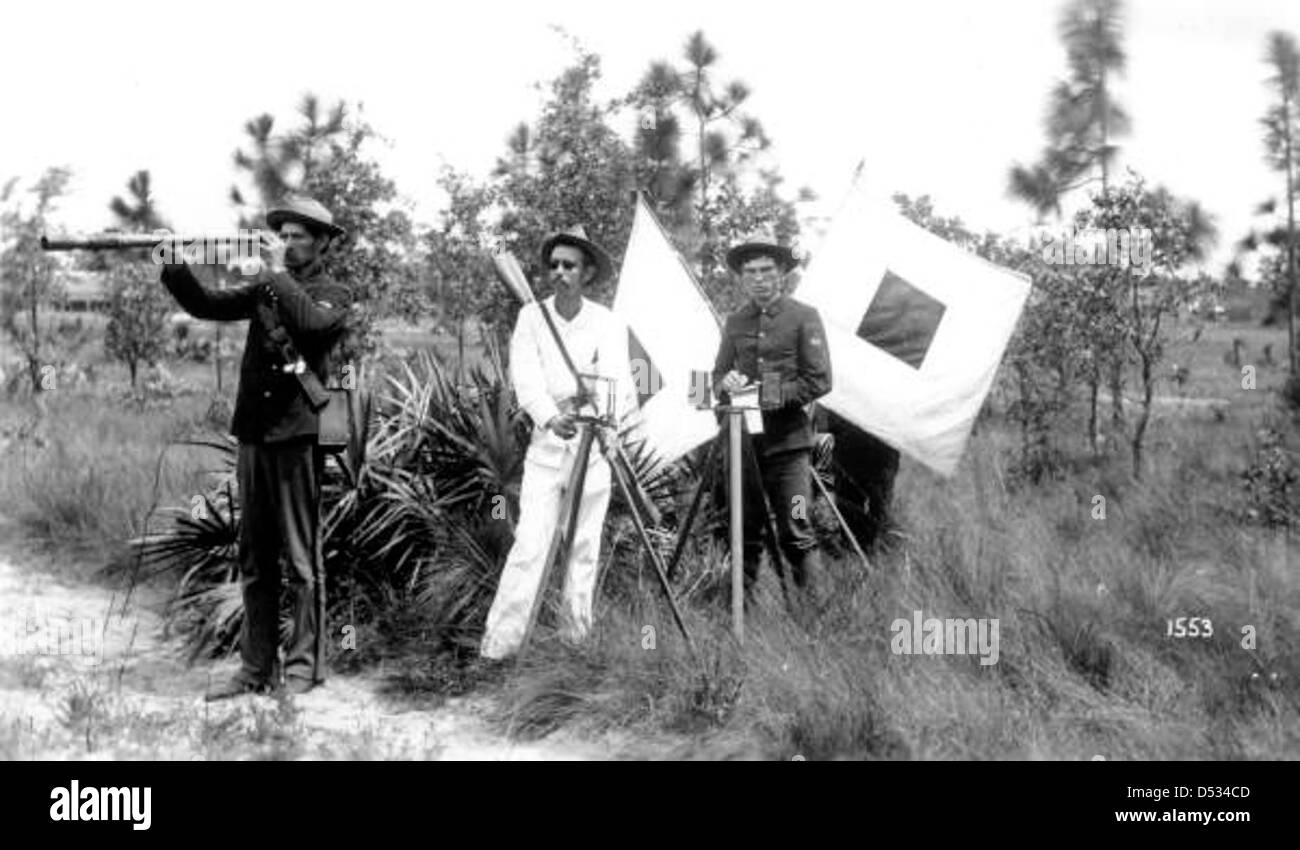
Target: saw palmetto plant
(420,507)
(199,545)
(420,511)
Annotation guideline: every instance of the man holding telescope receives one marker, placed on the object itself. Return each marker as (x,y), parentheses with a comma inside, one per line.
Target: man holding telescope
(779,345)
(297,317)
(596,344)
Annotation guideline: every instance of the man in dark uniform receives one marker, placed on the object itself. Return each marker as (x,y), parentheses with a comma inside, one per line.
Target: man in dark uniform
(296,316)
(779,343)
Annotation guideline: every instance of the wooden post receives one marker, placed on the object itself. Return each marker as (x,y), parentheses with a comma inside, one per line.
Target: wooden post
(737,529)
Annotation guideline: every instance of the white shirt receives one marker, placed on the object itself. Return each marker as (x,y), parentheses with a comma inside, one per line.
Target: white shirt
(597,342)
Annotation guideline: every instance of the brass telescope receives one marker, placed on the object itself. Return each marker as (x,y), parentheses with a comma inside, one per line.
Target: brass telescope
(113,241)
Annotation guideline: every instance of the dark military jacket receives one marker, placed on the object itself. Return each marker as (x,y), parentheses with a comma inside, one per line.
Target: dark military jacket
(270,405)
(785,340)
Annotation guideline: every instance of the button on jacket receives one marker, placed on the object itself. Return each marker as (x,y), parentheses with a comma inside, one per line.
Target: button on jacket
(270,405)
(786,339)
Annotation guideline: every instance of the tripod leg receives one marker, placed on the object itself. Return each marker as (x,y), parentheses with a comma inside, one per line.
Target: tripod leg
(562,540)
(683,533)
(770,538)
(617,474)
(844,526)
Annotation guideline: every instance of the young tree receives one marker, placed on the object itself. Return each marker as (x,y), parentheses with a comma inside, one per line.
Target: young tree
(377,255)
(1281,135)
(570,168)
(460,276)
(1042,361)
(138,305)
(1097,306)
(668,182)
(1082,119)
(279,163)
(139,213)
(324,156)
(137,324)
(698,160)
(1181,233)
(1082,115)
(27,277)
(724,137)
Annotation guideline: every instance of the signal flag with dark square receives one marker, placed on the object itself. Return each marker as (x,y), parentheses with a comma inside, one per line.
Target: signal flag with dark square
(901,320)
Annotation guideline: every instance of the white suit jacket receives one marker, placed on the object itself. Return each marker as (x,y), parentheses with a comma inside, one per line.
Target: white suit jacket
(598,343)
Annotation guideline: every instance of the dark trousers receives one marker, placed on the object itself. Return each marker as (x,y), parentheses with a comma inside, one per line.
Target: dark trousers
(786,478)
(279,485)
(865,469)
(866,507)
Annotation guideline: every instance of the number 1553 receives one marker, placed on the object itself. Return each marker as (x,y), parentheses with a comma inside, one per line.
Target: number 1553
(1189,627)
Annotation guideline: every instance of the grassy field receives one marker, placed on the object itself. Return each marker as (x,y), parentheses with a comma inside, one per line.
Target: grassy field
(1085,667)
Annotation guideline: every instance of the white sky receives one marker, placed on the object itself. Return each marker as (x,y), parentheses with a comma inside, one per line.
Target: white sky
(939,96)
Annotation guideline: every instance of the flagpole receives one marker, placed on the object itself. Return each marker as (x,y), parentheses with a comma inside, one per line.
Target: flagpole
(844,201)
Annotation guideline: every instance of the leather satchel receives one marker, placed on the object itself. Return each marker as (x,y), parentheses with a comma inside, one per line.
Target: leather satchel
(334,404)
(336,421)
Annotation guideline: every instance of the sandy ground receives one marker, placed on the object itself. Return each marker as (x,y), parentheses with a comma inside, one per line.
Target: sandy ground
(79,679)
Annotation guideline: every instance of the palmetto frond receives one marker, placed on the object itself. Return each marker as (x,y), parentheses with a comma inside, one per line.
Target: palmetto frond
(457,593)
(666,484)
(201,541)
(211,617)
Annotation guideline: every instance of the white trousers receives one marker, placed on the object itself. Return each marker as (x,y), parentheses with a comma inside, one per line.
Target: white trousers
(540,502)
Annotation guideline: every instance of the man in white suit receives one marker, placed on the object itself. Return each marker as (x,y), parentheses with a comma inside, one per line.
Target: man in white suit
(596,340)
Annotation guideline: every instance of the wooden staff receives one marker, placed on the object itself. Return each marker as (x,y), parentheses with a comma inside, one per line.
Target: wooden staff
(736,494)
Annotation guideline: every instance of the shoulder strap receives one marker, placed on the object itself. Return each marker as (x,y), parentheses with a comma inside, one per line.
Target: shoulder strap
(310,382)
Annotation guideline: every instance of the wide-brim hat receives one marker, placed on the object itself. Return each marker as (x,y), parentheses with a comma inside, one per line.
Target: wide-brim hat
(304,210)
(577,237)
(760,246)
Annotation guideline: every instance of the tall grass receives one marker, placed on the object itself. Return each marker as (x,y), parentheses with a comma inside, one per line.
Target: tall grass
(1085,665)
(83,475)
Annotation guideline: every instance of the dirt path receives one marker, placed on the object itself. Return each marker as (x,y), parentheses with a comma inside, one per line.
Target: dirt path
(78,680)
(1171,404)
